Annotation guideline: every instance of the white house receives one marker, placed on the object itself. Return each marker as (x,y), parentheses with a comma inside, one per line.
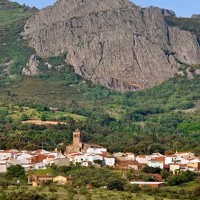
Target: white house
(186,155)
(156,163)
(24,159)
(87,158)
(109,161)
(96,150)
(56,154)
(3,167)
(40,165)
(155,155)
(174,168)
(6,154)
(195,160)
(130,156)
(183,160)
(170,159)
(143,159)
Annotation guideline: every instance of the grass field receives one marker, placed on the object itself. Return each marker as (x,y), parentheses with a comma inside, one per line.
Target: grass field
(190,185)
(16,113)
(92,194)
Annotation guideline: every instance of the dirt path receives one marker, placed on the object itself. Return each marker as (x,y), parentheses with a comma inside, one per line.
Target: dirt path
(39,122)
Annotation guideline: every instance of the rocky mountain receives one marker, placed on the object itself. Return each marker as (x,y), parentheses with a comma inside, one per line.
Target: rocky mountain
(113,42)
(196,16)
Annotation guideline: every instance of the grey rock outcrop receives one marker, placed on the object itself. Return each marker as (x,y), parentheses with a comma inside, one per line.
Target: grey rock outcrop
(113,42)
(197,71)
(189,73)
(168,13)
(31,67)
(196,16)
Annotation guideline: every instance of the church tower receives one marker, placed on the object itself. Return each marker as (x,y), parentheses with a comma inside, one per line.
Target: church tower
(77,143)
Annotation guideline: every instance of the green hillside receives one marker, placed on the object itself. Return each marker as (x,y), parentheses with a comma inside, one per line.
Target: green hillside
(13,51)
(163,118)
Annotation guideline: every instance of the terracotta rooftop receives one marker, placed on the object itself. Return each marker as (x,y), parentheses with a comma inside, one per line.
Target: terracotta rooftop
(142,156)
(161,159)
(43,176)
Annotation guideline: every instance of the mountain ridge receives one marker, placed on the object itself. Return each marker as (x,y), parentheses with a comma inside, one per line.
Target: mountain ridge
(115,43)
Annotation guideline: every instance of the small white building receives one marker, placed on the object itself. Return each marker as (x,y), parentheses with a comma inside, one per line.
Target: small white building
(87,158)
(96,150)
(109,161)
(6,154)
(3,166)
(24,159)
(174,168)
(156,163)
(185,155)
(143,159)
(183,160)
(171,159)
(40,165)
(130,156)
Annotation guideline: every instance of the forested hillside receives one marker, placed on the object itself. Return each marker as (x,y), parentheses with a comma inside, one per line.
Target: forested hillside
(164,118)
(14,52)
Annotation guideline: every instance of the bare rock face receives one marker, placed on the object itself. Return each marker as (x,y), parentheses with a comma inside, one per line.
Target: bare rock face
(196,16)
(113,42)
(31,67)
(168,13)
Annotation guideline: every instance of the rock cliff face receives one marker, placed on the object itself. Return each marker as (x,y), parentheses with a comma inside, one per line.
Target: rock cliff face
(31,67)
(196,16)
(113,42)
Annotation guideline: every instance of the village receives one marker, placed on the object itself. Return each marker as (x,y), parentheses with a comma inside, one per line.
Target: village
(85,155)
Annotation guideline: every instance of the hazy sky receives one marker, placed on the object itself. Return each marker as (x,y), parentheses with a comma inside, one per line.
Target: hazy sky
(181,7)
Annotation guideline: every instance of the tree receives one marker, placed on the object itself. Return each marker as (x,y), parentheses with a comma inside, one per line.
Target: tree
(4,185)
(115,184)
(21,195)
(132,188)
(15,171)
(43,117)
(151,170)
(156,148)
(52,189)
(184,177)
(128,176)
(165,173)
(24,117)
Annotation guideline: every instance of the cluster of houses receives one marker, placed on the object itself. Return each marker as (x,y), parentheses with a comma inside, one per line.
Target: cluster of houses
(87,154)
(174,163)
(91,154)
(31,160)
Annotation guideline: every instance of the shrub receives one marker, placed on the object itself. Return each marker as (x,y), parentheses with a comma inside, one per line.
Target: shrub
(115,184)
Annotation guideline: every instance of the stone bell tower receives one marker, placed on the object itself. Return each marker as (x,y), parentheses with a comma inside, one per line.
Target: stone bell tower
(77,143)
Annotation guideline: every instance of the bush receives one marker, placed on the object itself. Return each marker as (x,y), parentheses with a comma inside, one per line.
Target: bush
(24,117)
(165,173)
(115,184)
(184,177)
(132,188)
(151,170)
(15,171)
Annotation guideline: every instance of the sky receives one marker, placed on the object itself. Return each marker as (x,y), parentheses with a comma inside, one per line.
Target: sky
(183,8)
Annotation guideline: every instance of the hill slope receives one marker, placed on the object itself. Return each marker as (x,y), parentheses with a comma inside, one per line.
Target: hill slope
(165,117)
(14,52)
